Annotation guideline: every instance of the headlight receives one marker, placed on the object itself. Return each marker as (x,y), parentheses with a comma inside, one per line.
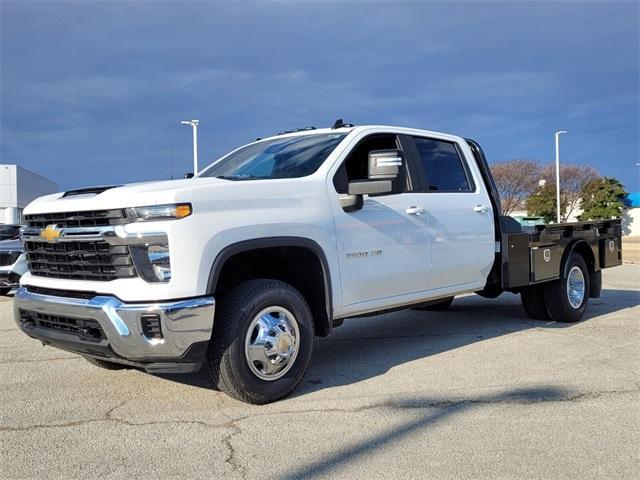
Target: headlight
(152,262)
(159,212)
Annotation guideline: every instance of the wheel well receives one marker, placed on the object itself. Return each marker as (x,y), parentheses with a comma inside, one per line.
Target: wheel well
(595,274)
(585,251)
(298,266)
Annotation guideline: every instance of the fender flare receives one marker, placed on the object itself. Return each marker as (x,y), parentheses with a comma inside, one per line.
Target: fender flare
(595,273)
(270,242)
(569,249)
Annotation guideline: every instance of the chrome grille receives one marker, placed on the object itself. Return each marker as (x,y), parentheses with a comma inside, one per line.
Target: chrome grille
(87,218)
(81,260)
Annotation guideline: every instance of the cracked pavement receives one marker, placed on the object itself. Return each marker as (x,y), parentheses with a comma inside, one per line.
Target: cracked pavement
(479,391)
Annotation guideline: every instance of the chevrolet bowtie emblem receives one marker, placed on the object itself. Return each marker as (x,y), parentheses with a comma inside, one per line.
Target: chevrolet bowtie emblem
(50,233)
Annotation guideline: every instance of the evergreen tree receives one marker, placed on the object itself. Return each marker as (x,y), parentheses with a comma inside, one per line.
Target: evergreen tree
(542,203)
(602,199)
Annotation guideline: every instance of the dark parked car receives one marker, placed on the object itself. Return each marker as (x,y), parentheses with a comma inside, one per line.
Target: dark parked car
(13,264)
(9,232)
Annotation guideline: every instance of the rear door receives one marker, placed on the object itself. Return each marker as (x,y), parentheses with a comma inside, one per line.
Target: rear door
(459,213)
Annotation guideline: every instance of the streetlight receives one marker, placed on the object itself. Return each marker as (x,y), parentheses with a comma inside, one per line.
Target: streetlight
(558,133)
(194,125)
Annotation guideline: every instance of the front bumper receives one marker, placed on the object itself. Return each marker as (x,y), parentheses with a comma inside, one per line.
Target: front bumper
(72,324)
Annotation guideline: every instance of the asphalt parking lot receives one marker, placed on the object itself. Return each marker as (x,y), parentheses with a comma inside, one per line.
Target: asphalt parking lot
(477,391)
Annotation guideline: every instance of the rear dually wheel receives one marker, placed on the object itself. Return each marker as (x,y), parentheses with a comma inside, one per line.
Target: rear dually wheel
(533,302)
(567,298)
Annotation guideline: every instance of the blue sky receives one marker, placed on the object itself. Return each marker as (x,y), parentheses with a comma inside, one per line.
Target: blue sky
(89,90)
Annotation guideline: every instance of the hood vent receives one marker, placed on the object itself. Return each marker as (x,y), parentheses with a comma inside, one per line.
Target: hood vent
(89,190)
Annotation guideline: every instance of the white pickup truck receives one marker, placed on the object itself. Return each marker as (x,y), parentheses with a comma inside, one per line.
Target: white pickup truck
(239,267)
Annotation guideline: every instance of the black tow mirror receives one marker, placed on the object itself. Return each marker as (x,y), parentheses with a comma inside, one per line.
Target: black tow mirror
(188,175)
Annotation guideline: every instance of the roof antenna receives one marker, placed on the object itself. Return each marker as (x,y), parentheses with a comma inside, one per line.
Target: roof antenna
(340,124)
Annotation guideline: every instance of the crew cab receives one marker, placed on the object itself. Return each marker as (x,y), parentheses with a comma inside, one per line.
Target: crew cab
(239,267)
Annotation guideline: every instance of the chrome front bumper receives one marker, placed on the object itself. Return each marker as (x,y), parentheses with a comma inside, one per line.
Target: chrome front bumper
(186,327)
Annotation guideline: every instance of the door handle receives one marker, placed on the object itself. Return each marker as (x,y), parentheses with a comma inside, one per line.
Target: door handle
(413,210)
(481,208)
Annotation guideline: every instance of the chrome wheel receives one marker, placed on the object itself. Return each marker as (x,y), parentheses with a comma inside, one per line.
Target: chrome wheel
(272,342)
(575,287)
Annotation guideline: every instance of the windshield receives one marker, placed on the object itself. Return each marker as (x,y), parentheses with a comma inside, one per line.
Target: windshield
(288,157)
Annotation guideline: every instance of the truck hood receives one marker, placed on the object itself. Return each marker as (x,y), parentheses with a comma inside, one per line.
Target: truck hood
(195,190)
(120,196)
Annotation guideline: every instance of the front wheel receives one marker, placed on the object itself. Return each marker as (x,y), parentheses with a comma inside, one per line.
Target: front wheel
(262,341)
(567,298)
(4,291)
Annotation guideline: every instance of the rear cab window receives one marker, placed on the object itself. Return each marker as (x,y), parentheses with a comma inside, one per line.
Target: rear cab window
(443,166)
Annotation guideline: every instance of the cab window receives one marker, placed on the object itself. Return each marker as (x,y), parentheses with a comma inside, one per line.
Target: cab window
(444,169)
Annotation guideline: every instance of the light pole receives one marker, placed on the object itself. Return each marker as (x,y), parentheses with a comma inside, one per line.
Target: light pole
(194,125)
(558,133)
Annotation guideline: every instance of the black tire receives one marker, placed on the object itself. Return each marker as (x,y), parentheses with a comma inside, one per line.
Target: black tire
(533,302)
(439,306)
(4,291)
(229,367)
(105,364)
(556,297)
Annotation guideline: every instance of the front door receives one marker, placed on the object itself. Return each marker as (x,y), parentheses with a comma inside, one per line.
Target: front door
(383,248)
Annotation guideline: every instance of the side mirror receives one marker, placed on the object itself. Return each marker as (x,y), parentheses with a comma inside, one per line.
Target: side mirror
(188,175)
(384,169)
(385,164)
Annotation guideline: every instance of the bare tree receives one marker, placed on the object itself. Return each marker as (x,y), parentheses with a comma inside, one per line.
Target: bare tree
(515,180)
(573,178)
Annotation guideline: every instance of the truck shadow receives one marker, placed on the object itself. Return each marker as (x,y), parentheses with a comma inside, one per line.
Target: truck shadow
(432,412)
(367,347)
(364,348)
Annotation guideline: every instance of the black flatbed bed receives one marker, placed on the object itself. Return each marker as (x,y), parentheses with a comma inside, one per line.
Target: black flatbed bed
(529,256)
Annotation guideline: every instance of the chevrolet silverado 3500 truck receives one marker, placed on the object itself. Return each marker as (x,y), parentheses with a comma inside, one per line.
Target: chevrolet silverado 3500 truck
(280,240)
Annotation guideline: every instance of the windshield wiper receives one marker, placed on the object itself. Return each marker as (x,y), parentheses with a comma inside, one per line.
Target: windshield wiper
(238,177)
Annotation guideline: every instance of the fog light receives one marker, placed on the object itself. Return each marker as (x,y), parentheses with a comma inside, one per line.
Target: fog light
(160,262)
(152,262)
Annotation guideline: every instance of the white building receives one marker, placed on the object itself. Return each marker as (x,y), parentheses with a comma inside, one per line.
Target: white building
(18,187)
